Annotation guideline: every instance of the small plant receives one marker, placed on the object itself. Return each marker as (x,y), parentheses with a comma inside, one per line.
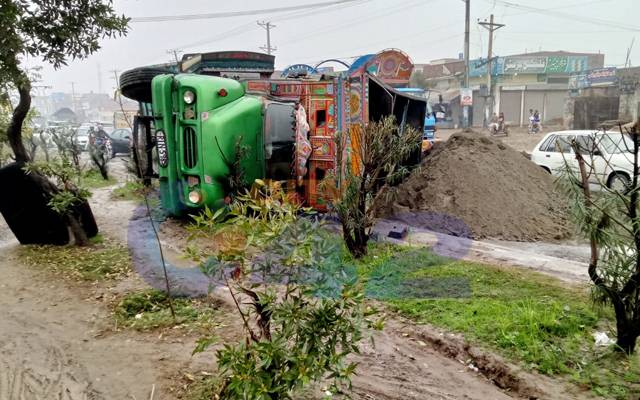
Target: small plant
(301,309)
(378,151)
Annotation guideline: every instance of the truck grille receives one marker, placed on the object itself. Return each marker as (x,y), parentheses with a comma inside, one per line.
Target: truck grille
(190,147)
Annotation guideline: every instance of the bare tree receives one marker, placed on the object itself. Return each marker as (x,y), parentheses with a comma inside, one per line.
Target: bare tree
(377,153)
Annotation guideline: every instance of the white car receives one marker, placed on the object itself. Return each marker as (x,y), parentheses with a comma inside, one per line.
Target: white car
(608,155)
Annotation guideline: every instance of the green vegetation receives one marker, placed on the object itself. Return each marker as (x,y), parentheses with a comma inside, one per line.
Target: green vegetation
(93,180)
(101,260)
(528,317)
(131,190)
(149,309)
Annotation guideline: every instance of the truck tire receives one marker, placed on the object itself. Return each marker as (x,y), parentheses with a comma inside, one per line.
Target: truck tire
(26,211)
(136,83)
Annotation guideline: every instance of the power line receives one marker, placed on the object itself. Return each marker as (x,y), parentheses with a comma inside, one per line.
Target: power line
(231,14)
(570,16)
(249,26)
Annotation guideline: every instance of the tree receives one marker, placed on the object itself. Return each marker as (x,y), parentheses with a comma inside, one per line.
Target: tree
(54,31)
(611,222)
(378,151)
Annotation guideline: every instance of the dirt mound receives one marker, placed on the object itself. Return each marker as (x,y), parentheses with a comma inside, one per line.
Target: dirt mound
(475,186)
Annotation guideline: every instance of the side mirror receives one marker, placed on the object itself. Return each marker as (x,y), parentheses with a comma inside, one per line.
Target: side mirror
(127,137)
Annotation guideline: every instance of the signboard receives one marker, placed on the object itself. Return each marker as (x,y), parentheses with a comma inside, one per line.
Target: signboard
(594,77)
(525,65)
(602,77)
(466,97)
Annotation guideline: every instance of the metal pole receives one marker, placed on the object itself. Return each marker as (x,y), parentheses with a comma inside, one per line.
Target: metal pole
(491,26)
(269,38)
(267,26)
(488,103)
(467,17)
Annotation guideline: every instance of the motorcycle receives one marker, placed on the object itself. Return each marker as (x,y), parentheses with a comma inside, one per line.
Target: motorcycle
(534,127)
(499,129)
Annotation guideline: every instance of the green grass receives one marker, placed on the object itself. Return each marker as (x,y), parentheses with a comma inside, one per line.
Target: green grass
(149,310)
(101,260)
(528,317)
(92,179)
(131,190)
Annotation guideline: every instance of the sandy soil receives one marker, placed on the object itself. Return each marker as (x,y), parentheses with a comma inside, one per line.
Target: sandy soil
(57,342)
(519,139)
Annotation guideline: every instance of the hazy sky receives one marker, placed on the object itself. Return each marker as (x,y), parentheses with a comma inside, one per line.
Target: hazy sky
(425,29)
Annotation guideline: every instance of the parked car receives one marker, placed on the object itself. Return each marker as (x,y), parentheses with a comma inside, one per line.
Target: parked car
(120,141)
(82,136)
(608,155)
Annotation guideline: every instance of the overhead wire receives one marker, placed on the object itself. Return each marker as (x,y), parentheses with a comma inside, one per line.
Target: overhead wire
(231,14)
(571,16)
(250,26)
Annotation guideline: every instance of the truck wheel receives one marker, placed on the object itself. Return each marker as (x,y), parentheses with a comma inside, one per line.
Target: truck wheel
(136,83)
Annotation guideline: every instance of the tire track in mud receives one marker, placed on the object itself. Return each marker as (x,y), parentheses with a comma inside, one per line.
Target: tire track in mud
(33,368)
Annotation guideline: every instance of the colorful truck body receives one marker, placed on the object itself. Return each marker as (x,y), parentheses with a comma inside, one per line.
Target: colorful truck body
(287,127)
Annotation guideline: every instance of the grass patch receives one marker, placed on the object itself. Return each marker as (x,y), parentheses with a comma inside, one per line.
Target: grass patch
(537,320)
(92,179)
(149,310)
(102,260)
(131,190)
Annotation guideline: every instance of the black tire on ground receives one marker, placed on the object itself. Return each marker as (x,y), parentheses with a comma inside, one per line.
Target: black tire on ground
(617,178)
(85,216)
(136,83)
(25,209)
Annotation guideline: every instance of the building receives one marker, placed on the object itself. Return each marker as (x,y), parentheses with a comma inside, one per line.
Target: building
(519,82)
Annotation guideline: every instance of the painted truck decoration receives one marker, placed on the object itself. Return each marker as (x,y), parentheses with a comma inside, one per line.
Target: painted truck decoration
(286,125)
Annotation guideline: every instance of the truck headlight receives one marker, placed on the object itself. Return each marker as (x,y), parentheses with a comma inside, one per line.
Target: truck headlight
(195,196)
(189,97)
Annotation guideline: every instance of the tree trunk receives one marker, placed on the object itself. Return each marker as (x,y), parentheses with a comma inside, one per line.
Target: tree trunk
(79,235)
(626,341)
(14,130)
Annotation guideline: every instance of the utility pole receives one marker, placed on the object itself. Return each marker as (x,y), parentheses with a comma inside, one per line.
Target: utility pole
(491,26)
(73,96)
(115,76)
(267,26)
(99,79)
(175,54)
(467,17)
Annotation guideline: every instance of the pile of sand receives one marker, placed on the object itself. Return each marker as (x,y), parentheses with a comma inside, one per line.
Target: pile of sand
(475,186)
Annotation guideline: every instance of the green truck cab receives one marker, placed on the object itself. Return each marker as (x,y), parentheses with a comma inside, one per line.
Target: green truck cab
(200,123)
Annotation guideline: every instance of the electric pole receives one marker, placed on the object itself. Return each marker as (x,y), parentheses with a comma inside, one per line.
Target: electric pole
(267,26)
(73,96)
(467,17)
(99,79)
(175,54)
(491,27)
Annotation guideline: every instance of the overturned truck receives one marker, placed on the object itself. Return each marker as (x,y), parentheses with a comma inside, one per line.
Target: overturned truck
(207,128)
